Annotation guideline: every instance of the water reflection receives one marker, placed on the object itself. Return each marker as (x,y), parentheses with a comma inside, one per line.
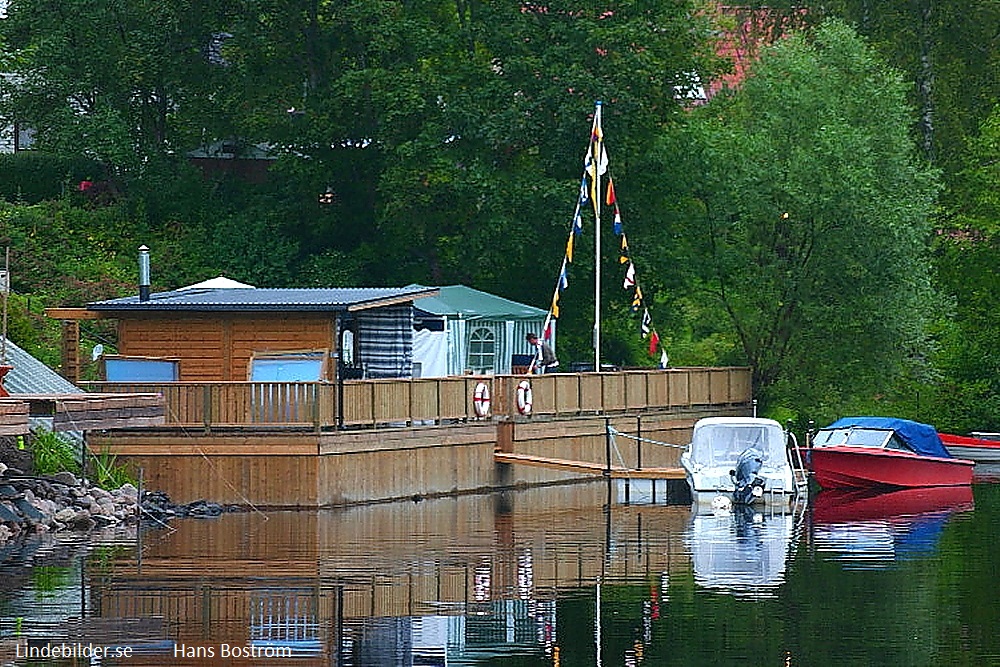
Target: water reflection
(559,575)
(742,550)
(876,528)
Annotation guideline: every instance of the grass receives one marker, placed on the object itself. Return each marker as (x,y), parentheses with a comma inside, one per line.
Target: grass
(52,453)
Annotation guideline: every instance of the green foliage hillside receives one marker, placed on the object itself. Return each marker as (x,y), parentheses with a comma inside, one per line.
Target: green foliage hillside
(831,222)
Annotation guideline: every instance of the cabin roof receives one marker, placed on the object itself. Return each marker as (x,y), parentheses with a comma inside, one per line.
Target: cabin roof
(338,299)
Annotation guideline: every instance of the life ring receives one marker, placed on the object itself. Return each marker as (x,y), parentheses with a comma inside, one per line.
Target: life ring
(524,397)
(481,399)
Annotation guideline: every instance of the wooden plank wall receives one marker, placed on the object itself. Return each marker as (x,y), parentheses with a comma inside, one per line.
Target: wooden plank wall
(219,348)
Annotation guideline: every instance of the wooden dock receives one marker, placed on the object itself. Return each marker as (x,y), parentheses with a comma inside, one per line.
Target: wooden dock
(590,467)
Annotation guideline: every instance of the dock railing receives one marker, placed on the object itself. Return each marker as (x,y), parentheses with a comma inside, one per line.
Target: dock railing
(427,401)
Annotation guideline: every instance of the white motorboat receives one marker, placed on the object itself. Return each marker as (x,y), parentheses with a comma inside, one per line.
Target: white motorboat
(747,457)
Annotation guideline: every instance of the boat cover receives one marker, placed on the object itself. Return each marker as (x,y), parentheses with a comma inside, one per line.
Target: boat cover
(922,438)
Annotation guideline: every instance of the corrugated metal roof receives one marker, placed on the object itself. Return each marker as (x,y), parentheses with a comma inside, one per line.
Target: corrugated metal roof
(266,299)
(31,376)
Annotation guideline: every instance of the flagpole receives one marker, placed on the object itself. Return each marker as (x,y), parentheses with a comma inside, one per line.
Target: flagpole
(597,147)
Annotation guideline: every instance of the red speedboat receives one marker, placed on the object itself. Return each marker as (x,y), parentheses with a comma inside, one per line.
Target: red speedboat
(979,449)
(862,452)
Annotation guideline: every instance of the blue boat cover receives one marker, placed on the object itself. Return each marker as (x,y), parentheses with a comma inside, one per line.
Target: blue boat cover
(922,438)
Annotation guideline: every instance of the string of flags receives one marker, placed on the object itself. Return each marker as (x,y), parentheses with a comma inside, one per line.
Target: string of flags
(595,165)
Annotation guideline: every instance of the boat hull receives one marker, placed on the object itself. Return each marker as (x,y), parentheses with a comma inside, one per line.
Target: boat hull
(980,450)
(840,467)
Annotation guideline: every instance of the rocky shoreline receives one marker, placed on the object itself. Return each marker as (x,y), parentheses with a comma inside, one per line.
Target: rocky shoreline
(62,502)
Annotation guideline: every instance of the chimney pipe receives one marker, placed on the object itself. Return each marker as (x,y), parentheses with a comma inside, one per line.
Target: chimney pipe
(143,273)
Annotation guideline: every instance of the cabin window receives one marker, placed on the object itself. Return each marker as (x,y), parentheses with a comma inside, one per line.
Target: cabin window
(122,369)
(482,350)
(290,367)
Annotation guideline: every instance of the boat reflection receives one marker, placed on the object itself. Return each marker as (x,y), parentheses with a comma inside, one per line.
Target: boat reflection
(871,528)
(741,550)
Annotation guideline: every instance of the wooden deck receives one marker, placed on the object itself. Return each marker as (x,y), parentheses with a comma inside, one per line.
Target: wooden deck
(330,444)
(589,467)
(81,412)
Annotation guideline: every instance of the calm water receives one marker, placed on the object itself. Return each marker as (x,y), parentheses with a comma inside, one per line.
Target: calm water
(550,576)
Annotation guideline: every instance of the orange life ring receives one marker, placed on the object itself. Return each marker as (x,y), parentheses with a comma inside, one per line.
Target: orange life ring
(481,399)
(524,397)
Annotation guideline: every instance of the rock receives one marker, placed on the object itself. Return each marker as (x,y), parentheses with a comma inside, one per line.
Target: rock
(65,514)
(67,478)
(8,514)
(29,511)
(82,522)
(128,491)
(203,508)
(8,492)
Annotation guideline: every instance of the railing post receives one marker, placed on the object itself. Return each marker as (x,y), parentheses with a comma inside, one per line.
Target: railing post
(315,406)
(207,407)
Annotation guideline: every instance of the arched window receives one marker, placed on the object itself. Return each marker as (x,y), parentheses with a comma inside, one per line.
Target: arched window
(482,350)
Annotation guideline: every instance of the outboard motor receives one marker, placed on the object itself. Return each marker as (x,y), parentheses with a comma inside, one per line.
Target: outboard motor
(749,486)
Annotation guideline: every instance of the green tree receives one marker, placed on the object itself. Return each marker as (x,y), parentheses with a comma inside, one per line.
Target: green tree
(814,220)
(122,82)
(966,396)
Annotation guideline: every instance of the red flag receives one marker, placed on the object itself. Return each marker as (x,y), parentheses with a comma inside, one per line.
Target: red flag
(654,342)
(611,192)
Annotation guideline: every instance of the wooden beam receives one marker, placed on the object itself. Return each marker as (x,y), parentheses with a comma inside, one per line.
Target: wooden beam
(71,350)
(589,467)
(72,314)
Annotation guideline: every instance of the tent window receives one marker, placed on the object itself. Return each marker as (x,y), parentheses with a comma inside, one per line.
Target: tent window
(482,350)
(347,347)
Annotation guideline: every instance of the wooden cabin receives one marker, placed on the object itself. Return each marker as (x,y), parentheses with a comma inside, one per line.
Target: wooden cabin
(200,334)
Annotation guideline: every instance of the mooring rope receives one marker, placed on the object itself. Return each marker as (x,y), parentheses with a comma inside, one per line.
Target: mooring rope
(614,432)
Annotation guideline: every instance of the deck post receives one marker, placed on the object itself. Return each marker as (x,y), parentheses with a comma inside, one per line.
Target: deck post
(638,442)
(607,447)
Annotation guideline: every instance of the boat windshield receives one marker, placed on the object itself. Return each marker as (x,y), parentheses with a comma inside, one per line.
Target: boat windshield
(722,444)
(859,437)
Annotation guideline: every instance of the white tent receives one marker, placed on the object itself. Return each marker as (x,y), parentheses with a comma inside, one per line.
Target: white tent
(219,282)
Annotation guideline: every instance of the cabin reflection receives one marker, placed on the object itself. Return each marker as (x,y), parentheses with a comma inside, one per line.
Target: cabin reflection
(401,583)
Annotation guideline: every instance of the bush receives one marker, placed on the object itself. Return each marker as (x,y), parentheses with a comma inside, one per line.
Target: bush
(31,177)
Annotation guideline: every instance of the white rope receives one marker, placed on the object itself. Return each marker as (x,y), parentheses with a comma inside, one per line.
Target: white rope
(614,444)
(614,432)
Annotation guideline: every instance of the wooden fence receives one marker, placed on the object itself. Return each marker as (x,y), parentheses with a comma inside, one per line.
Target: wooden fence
(405,402)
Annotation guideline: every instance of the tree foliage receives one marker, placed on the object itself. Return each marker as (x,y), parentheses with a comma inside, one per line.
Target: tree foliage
(815,218)
(442,142)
